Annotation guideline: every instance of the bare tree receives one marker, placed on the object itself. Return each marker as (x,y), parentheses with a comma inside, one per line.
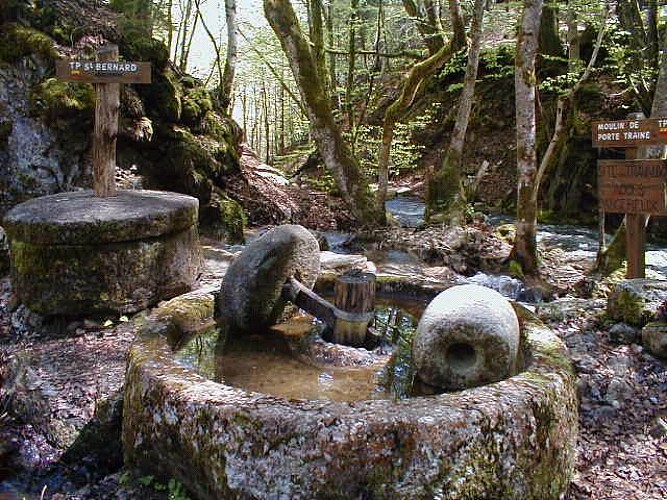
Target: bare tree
(525,246)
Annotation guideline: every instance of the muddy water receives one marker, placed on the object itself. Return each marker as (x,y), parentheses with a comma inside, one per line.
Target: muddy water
(272,362)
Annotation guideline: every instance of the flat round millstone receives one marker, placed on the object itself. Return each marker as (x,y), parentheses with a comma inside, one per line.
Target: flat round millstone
(81,217)
(78,254)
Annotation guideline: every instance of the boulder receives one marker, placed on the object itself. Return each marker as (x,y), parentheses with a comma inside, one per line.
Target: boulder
(468,336)
(654,339)
(250,295)
(635,301)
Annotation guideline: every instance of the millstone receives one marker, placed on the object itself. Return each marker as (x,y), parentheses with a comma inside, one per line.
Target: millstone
(77,254)
(250,295)
(468,336)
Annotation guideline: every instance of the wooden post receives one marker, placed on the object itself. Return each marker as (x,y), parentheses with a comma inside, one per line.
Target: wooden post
(354,295)
(355,292)
(635,234)
(107,110)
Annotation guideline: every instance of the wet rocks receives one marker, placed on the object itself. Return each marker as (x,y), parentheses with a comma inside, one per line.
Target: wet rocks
(468,336)
(250,295)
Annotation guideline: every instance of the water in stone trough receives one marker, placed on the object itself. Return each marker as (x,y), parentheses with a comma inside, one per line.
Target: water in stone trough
(273,362)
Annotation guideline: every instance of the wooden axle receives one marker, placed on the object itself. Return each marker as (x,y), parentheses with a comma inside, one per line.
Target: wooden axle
(355,293)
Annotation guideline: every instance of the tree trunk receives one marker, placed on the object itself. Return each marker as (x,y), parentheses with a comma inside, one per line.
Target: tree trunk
(451,165)
(427,17)
(227,83)
(417,75)
(525,246)
(550,43)
(458,24)
(317,39)
(351,65)
(335,151)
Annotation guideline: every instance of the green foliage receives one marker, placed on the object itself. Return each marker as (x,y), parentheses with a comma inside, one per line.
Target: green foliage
(174,488)
(560,84)
(497,63)
(405,153)
(17,42)
(136,19)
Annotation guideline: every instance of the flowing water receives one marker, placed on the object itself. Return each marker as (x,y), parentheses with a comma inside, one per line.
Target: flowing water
(582,242)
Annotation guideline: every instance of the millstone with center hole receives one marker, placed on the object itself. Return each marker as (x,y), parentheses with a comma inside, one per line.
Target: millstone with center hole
(74,253)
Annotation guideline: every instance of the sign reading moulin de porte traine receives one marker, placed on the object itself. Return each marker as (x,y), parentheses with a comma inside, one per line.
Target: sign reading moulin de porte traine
(103,71)
(630,133)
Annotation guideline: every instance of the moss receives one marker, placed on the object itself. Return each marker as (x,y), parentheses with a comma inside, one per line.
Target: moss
(196,104)
(224,217)
(162,97)
(17,42)
(54,100)
(146,49)
(629,308)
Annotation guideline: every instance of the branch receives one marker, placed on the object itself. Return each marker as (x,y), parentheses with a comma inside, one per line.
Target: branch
(273,71)
(406,54)
(563,103)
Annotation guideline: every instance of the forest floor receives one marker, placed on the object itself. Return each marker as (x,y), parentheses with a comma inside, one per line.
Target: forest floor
(622,447)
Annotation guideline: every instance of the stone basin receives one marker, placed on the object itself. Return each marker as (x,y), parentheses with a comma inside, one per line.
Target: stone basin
(76,253)
(510,439)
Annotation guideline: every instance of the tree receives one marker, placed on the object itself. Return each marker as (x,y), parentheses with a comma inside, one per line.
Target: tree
(414,80)
(445,187)
(227,83)
(335,152)
(525,246)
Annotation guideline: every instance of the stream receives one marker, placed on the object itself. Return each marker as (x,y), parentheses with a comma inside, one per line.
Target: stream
(577,241)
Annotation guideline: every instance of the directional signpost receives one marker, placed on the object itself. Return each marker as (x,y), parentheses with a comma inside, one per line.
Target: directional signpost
(632,186)
(107,73)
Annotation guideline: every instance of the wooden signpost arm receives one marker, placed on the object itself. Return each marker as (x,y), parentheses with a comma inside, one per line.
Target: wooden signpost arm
(107,112)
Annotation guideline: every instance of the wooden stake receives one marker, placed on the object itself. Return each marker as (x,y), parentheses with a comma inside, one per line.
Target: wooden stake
(355,294)
(107,110)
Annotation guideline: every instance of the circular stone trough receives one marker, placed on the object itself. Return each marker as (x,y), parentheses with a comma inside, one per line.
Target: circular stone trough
(510,439)
(75,253)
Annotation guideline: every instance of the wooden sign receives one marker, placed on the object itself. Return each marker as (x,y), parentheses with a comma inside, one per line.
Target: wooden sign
(103,71)
(630,133)
(633,186)
(107,73)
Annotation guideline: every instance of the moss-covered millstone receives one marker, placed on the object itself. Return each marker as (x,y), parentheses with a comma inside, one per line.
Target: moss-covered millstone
(75,253)
(511,439)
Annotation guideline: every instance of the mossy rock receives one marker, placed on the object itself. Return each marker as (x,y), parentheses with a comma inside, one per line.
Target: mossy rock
(162,97)
(53,100)
(17,42)
(635,301)
(146,49)
(224,217)
(512,439)
(196,104)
